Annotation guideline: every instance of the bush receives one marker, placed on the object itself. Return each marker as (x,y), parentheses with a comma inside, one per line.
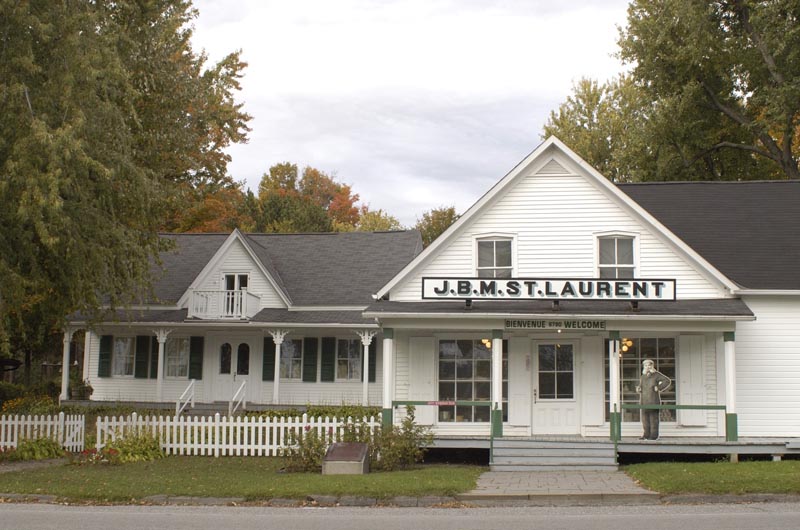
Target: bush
(135,447)
(305,451)
(314,411)
(31,405)
(36,449)
(10,391)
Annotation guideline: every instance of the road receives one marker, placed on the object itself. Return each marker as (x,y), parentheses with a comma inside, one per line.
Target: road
(702,517)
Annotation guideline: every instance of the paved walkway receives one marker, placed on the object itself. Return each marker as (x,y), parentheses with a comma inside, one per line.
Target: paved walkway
(558,488)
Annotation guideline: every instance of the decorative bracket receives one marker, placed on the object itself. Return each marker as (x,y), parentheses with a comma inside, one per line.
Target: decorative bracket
(366,336)
(278,335)
(161,334)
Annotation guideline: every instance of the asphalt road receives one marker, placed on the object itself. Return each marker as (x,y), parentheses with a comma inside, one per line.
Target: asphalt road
(684,517)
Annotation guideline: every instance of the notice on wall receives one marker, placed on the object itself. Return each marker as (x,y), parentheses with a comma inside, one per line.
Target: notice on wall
(567,325)
(633,289)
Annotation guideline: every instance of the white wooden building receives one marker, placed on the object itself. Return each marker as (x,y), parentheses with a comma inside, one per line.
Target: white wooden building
(543,300)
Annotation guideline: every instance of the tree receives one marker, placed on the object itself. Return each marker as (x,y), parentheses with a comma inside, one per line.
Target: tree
(370,221)
(87,172)
(434,222)
(729,69)
(214,209)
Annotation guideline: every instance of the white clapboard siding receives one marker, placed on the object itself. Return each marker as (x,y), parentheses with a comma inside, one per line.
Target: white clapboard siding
(238,260)
(422,372)
(592,389)
(225,435)
(555,220)
(768,367)
(519,381)
(66,429)
(691,380)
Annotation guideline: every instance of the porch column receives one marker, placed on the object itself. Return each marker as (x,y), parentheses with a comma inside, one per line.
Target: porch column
(277,337)
(496,414)
(65,365)
(366,336)
(615,413)
(161,337)
(388,377)
(731,419)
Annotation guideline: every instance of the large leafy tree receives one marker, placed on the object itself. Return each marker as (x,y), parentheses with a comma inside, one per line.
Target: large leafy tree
(434,222)
(92,146)
(730,69)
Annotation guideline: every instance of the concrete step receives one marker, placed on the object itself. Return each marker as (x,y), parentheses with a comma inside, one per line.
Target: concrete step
(515,467)
(508,443)
(554,460)
(556,451)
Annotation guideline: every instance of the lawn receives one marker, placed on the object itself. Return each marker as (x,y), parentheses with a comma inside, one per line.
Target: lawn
(719,477)
(251,478)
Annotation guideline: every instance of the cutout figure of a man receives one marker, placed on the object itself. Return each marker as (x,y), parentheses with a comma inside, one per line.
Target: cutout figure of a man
(651,385)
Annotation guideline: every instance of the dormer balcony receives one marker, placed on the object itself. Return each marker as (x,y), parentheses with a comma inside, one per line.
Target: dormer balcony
(224,305)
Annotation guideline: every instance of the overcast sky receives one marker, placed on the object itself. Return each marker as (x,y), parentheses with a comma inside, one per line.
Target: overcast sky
(416,104)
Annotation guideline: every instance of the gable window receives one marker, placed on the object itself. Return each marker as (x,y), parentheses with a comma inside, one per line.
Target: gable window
(292,359)
(348,360)
(123,356)
(234,285)
(494,258)
(616,257)
(176,355)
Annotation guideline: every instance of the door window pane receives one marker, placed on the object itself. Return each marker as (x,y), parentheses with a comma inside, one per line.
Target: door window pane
(556,371)
(225,358)
(243,359)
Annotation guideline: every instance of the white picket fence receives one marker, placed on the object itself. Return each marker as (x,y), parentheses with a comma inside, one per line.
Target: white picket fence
(67,429)
(224,435)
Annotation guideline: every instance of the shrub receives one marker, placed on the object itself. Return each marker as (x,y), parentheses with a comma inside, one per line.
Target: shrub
(31,405)
(305,451)
(10,391)
(400,447)
(134,447)
(37,449)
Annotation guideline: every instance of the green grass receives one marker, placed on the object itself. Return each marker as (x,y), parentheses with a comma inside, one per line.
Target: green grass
(719,477)
(251,478)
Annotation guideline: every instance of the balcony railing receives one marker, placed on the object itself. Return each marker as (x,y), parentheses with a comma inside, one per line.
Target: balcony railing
(216,305)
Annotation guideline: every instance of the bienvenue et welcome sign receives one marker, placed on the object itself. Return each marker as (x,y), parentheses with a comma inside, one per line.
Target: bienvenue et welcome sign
(631,289)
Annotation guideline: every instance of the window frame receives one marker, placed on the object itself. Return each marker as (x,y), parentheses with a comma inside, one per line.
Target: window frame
(360,350)
(634,237)
(299,351)
(173,340)
(494,236)
(131,354)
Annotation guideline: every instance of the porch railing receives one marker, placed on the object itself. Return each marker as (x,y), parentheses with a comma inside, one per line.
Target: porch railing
(496,414)
(239,398)
(223,304)
(731,421)
(187,398)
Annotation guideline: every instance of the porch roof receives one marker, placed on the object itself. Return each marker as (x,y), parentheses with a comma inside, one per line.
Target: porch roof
(707,309)
(332,317)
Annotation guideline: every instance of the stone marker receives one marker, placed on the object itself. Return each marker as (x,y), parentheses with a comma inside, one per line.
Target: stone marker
(346,459)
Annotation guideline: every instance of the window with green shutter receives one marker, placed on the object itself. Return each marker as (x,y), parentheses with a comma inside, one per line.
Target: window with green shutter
(104,362)
(310,346)
(328,360)
(268,361)
(196,346)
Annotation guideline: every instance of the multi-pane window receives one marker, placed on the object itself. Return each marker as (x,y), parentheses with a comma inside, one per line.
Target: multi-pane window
(176,354)
(123,355)
(465,374)
(348,359)
(632,352)
(556,371)
(292,359)
(616,257)
(494,258)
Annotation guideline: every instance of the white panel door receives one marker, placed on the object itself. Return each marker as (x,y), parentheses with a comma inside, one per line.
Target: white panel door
(234,363)
(555,404)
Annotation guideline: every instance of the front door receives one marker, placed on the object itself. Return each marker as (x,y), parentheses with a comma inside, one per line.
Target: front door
(555,388)
(233,368)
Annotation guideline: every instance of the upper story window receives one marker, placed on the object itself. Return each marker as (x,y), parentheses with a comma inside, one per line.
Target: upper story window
(235,282)
(494,258)
(616,257)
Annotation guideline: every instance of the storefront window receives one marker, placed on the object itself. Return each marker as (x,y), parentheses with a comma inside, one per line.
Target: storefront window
(659,350)
(465,374)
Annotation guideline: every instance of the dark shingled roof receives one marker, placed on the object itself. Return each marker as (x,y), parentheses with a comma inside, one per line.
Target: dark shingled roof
(749,231)
(333,269)
(282,316)
(718,307)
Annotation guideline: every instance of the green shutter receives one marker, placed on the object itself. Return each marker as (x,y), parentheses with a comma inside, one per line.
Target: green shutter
(104,364)
(196,358)
(373,357)
(310,359)
(268,362)
(141,357)
(328,359)
(153,358)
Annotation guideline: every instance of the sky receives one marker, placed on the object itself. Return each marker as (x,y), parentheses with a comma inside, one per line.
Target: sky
(416,104)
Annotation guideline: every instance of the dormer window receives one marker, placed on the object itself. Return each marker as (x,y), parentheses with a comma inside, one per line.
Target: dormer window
(494,257)
(616,257)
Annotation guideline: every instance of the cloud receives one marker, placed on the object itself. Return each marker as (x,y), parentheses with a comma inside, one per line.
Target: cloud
(417,104)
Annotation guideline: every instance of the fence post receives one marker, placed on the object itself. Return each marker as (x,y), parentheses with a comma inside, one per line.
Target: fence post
(61,434)
(217,435)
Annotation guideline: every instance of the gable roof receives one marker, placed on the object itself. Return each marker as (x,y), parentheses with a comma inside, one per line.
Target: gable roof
(750,231)
(336,269)
(543,158)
